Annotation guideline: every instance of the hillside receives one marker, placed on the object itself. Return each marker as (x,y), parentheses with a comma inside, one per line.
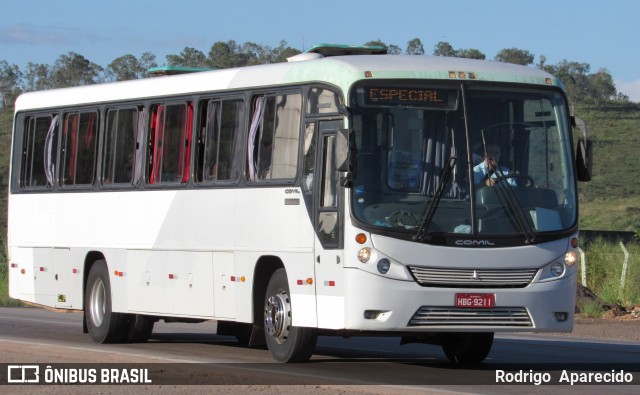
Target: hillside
(611,201)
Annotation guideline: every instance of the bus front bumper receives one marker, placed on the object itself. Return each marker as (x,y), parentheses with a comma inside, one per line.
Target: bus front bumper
(375,303)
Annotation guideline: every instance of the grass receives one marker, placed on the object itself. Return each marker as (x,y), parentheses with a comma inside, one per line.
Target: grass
(611,200)
(604,264)
(590,308)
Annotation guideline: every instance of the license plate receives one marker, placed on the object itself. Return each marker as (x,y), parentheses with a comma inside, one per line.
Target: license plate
(475,301)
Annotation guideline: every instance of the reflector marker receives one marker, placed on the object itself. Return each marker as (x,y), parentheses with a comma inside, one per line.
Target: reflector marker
(330,283)
(237,279)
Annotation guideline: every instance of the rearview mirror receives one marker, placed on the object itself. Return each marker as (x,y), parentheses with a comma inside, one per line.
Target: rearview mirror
(342,150)
(584,155)
(346,156)
(584,159)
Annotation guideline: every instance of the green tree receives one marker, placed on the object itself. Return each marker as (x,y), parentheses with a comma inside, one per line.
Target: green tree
(394,50)
(574,77)
(74,69)
(224,55)
(124,68)
(255,54)
(602,86)
(36,77)
(515,56)
(189,57)
(443,48)
(128,67)
(415,47)
(9,79)
(377,43)
(147,60)
(282,52)
(470,54)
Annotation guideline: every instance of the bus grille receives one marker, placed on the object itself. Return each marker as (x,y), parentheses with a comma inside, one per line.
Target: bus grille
(449,316)
(472,278)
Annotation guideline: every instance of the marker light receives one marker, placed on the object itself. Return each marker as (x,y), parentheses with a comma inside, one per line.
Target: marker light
(364,255)
(361,238)
(570,258)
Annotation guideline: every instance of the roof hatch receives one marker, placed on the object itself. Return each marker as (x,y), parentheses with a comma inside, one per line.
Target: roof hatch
(172,70)
(325,50)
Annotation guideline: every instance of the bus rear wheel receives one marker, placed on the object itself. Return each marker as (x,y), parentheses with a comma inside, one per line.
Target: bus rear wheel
(286,342)
(103,325)
(140,328)
(467,348)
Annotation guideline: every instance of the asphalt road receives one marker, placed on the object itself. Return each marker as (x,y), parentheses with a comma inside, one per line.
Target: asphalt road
(191,354)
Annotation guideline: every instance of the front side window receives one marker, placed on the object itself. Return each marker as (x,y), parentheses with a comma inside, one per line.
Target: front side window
(274,136)
(428,162)
(79,146)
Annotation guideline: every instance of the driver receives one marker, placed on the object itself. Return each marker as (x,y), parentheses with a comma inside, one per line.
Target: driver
(488,171)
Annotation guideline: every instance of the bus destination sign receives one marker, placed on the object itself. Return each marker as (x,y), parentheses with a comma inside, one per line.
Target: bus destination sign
(413,97)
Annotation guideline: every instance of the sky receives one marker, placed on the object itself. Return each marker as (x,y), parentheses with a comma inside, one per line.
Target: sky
(602,33)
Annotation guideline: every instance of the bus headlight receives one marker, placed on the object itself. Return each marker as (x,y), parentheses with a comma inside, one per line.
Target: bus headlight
(384,265)
(364,254)
(570,258)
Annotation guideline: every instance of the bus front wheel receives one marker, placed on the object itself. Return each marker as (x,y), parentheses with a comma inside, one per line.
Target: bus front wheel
(286,342)
(104,326)
(467,348)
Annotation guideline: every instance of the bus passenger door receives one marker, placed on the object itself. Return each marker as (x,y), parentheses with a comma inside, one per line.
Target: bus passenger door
(328,220)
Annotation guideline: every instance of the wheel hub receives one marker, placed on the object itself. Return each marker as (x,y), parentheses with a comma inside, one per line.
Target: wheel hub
(277,316)
(97,303)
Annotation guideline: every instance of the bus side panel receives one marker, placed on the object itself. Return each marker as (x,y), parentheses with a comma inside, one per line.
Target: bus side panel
(177,283)
(21,274)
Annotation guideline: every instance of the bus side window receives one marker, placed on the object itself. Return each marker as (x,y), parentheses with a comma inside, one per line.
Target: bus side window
(120,146)
(170,143)
(220,125)
(38,130)
(79,144)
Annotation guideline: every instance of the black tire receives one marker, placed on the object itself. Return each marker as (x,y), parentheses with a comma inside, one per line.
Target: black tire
(467,348)
(103,325)
(286,343)
(140,328)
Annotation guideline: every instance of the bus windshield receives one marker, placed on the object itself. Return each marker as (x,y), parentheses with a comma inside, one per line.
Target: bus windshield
(508,153)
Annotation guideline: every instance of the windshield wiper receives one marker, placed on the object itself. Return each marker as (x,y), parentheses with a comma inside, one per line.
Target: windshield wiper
(445,175)
(510,200)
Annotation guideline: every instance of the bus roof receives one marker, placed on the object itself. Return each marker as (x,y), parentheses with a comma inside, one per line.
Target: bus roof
(341,71)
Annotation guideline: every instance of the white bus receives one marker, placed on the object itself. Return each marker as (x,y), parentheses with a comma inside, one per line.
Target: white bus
(339,193)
